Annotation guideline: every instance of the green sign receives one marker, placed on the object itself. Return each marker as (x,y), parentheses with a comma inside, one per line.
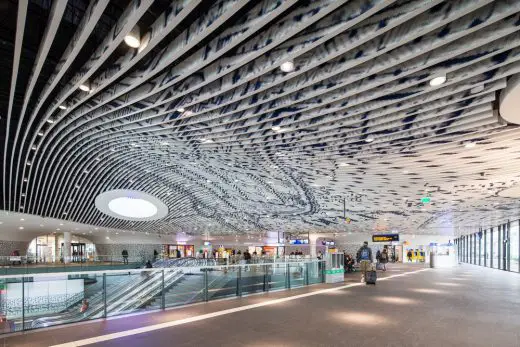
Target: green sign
(426,200)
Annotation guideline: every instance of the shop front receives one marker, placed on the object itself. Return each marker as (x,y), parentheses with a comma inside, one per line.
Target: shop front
(178,251)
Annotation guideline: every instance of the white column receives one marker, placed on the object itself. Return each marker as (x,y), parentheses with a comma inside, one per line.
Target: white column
(312,246)
(66,247)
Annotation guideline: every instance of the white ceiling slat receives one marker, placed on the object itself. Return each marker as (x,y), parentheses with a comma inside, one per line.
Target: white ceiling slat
(20,30)
(56,15)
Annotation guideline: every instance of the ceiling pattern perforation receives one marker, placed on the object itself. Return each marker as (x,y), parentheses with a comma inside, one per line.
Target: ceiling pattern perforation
(202,116)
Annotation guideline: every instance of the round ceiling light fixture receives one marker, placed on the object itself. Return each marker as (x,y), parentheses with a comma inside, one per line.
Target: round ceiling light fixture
(131,205)
(287,66)
(438,80)
(133,38)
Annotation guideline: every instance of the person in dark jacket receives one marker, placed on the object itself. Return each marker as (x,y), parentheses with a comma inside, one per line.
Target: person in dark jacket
(124,253)
(364,258)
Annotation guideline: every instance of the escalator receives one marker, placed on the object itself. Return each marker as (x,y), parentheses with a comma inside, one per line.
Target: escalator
(133,293)
(125,296)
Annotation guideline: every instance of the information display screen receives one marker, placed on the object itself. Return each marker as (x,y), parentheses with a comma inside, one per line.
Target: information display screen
(385,237)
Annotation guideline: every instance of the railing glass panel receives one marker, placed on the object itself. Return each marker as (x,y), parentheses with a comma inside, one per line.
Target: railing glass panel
(43,300)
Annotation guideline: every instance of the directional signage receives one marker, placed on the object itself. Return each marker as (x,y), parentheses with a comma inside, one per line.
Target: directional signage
(385,237)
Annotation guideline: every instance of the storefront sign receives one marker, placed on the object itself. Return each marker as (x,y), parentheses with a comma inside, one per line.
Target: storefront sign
(385,237)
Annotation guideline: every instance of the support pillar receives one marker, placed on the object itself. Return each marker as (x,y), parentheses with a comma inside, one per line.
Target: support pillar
(312,246)
(66,247)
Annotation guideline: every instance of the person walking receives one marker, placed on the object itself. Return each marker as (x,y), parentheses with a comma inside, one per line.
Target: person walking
(383,258)
(124,253)
(409,255)
(364,259)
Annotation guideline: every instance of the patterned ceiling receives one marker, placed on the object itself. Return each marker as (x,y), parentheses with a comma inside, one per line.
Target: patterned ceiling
(202,117)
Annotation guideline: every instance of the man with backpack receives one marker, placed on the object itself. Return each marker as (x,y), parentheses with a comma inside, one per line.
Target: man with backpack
(364,258)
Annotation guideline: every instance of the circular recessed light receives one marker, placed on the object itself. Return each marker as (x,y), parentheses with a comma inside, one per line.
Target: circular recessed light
(84,87)
(21,228)
(22,219)
(438,80)
(34,148)
(470,144)
(133,38)
(50,121)
(40,133)
(62,107)
(287,66)
(188,113)
(181,109)
(132,41)
(276,128)
(369,139)
(131,205)
(344,164)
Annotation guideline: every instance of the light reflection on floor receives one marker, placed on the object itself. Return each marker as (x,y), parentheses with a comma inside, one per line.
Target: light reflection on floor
(448,284)
(396,300)
(428,291)
(362,318)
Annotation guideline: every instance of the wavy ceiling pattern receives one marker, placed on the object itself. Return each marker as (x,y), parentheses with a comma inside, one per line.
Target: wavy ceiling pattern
(201,115)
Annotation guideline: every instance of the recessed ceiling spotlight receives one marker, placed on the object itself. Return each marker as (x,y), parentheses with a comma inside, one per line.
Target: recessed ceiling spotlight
(470,144)
(287,66)
(276,128)
(50,121)
(25,179)
(34,148)
(133,38)
(41,225)
(164,143)
(23,195)
(188,113)
(22,219)
(21,228)
(112,149)
(62,107)
(64,213)
(86,172)
(369,139)
(98,159)
(181,109)
(61,224)
(437,80)
(85,87)
(344,164)
(40,133)
(77,186)
(28,163)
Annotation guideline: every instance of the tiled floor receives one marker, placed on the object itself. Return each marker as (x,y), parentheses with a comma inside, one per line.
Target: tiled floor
(466,306)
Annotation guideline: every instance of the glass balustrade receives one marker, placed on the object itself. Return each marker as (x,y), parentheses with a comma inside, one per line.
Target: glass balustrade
(42,300)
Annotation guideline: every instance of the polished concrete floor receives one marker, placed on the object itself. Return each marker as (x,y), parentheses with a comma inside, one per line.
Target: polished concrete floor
(465,306)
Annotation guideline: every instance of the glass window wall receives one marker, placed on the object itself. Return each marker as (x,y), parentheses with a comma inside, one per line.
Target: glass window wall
(494,237)
(514,240)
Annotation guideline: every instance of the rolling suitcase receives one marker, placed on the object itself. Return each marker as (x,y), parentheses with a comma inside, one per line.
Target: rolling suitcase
(371,277)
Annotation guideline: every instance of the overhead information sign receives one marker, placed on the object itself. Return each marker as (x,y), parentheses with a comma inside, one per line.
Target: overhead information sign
(385,237)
